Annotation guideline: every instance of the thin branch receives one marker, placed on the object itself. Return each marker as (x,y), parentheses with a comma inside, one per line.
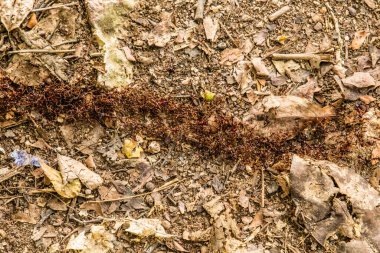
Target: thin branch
(54,7)
(41,51)
(337,30)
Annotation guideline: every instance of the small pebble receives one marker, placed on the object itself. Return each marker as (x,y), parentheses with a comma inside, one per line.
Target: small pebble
(150,186)
(318,26)
(272,187)
(166,224)
(246,220)
(323,10)
(204,249)
(9,134)
(149,200)
(87,192)
(154,147)
(352,11)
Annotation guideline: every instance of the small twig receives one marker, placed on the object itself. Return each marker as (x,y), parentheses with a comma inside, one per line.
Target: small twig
(163,187)
(337,30)
(279,13)
(10,174)
(65,42)
(200,9)
(262,188)
(302,56)
(96,54)
(41,51)
(54,7)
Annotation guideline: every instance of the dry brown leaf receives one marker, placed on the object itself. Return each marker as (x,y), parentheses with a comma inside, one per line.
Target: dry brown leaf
(359,39)
(230,56)
(32,22)
(197,236)
(307,90)
(214,207)
(243,199)
(260,37)
(69,190)
(92,206)
(360,80)
(371,4)
(294,107)
(259,66)
(57,205)
(72,169)
(374,53)
(161,35)
(242,76)
(13,12)
(211,27)
(30,215)
(147,227)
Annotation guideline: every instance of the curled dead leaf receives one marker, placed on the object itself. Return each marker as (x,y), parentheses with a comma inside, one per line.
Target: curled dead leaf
(359,39)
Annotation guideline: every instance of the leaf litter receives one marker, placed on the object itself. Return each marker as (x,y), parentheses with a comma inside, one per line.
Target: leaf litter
(221,97)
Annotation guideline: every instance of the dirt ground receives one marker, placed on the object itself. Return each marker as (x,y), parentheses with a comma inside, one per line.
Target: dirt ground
(212,174)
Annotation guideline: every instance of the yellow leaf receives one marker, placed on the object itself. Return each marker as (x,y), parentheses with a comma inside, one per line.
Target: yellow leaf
(131,149)
(69,190)
(281,39)
(208,95)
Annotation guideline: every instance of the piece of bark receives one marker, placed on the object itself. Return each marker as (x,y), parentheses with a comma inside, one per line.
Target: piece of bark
(200,9)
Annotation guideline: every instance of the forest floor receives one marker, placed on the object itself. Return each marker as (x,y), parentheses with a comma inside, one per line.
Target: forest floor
(189,126)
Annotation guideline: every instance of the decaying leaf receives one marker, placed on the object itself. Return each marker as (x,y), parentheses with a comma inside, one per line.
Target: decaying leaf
(29,215)
(294,107)
(308,89)
(13,12)
(230,56)
(108,19)
(161,35)
(242,75)
(259,66)
(374,53)
(72,170)
(315,183)
(359,39)
(211,27)
(99,240)
(69,190)
(208,95)
(214,207)
(260,37)
(371,3)
(147,227)
(131,149)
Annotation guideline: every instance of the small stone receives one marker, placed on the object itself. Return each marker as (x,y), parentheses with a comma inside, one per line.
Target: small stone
(150,186)
(318,26)
(87,192)
(3,234)
(204,249)
(246,220)
(149,200)
(154,147)
(317,18)
(2,151)
(272,187)
(222,45)
(352,11)
(230,80)
(166,224)
(323,10)
(9,134)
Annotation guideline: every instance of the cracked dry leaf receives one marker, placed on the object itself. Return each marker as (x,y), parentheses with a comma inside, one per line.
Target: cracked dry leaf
(314,185)
(72,169)
(308,89)
(147,227)
(242,75)
(259,66)
(214,207)
(374,53)
(359,39)
(108,19)
(99,240)
(69,190)
(294,107)
(29,215)
(13,12)
(211,27)
(230,56)
(161,35)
